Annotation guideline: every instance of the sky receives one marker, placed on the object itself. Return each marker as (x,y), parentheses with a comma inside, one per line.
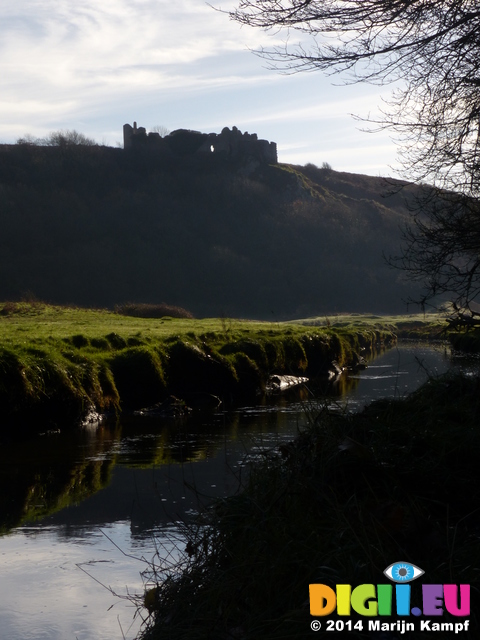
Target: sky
(94,66)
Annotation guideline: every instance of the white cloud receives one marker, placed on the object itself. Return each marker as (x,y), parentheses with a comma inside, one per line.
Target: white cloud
(58,55)
(94,65)
(64,43)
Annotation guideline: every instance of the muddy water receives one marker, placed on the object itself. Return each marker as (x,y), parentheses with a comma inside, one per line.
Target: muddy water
(84,516)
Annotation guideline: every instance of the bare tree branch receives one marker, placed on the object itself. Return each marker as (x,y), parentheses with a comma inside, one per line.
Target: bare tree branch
(431,49)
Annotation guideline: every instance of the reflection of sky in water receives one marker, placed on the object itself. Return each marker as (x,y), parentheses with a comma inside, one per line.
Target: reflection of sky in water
(44,595)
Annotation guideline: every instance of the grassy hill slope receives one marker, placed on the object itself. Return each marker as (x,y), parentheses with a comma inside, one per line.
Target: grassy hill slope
(98,226)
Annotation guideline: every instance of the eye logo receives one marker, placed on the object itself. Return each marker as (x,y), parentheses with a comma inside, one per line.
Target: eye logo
(403,572)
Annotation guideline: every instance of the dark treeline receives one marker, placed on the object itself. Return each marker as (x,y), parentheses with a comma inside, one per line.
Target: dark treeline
(99,226)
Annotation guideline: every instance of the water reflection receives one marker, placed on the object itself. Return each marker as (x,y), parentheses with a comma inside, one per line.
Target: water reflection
(45,475)
(89,498)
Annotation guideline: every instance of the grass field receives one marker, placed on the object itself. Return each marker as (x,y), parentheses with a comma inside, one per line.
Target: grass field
(43,323)
(59,363)
(414,325)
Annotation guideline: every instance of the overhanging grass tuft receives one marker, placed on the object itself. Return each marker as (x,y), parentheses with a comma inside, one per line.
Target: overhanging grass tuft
(138,376)
(254,349)
(249,375)
(193,368)
(38,388)
(295,357)
(116,341)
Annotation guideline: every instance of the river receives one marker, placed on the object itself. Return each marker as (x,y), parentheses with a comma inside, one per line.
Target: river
(86,516)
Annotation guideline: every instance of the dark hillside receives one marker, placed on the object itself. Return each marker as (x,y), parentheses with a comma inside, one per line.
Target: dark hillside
(101,226)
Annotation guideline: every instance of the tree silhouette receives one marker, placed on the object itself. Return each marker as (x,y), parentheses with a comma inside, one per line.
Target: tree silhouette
(431,50)
(62,138)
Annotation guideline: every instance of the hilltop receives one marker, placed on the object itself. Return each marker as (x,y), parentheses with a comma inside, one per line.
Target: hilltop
(99,226)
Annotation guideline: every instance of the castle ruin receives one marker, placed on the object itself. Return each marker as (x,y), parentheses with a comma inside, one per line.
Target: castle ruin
(231,143)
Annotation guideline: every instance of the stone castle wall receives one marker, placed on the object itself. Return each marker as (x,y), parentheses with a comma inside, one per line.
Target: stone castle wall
(231,143)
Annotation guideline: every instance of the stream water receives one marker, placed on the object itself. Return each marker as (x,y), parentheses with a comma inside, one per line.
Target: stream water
(83,516)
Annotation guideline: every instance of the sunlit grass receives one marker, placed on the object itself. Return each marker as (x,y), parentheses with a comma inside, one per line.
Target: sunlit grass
(412,325)
(59,363)
(45,323)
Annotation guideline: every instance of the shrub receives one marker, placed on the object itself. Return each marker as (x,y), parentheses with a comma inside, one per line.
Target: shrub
(144,310)
(10,308)
(62,138)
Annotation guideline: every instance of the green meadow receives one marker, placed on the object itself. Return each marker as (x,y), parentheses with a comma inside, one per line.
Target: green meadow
(58,364)
(39,323)
(418,326)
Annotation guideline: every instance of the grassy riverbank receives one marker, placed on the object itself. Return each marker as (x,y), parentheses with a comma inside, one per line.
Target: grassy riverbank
(350,496)
(413,326)
(59,363)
